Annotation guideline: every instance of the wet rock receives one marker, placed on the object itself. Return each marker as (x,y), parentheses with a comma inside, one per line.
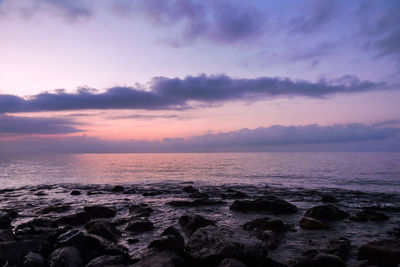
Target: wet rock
(193,222)
(384,252)
(319,260)
(369,215)
(130,191)
(65,257)
(265,223)
(152,193)
(199,195)
(326,213)
(190,189)
(38,222)
(231,194)
(94,192)
(33,260)
(141,210)
(339,247)
(328,198)
(170,239)
(5,220)
(40,193)
(395,232)
(12,213)
(117,188)
(195,203)
(103,229)
(383,208)
(6,235)
(159,259)
(57,208)
(14,252)
(267,204)
(313,224)
(270,238)
(231,262)
(133,240)
(74,219)
(75,193)
(139,225)
(210,245)
(99,211)
(106,260)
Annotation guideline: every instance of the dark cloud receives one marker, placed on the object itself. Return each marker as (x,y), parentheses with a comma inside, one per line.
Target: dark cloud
(36,125)
(165,93)
(339,137)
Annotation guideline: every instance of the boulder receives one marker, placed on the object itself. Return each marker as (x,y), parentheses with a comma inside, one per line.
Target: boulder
(313,224)
(140,210)
(209,245)
(270,238)
(106,260)
(381,252)
(14,252)
(326,213)
(75,193)
(5,220)
(231,262)
(57,208)
(267,204)
(139,225)
(6,235)
(339,247)
(117,188)
(319,260)
(265,223)
(199,195)
(328,198)
(193,222)
(99,211)
(103,229)
(65,257)
(74,219)
(33,260)
(369,215)
(38,222)
(170,239)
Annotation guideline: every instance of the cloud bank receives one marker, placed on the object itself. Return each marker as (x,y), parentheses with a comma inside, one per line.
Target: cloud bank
(165,93)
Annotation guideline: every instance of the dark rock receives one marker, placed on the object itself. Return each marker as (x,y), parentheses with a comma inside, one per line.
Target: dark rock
(130,191)
(117,188)
(170,239)
(39,222)
(190,189)
(319,260)
(139,225)
(107,261)
(339,247)
(65,257)
(6,235)
(268,204)
(265,223)
(384,252)
(234,195)
(152,193)
(371,215)
(395,232)
(98,211)
(133,240)
(12,213)
(40,193)
(383,208)
(94,192)
(74,219)
(328,198)
(5,220)
(231,262)
(57,208)
(193,222)
(210,245)
(195,203)
(326,213)
(75,193)
(313,224)
(199,195)
(14,252)
(103,229)
(141,210)
(270,237)
(33,260)
(159,259)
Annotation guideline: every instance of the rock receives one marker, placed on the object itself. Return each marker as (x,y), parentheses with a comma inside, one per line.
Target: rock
(94,192)
(265,223)
(199,195)
(65,257)
(193,222)
(98,211)
(152,193)
(209,245)
(326,213)
(382,252)
(319,260)
(12,213)
(130,191)
(74,219)
(117,188)
(395,232)
(234,195)
(159,259)
(313,224)
(328,198)
(33,260)
(141,210)
(40,193)
(270,237)
(5,220)
(14,252)
(6,235)
(57,208)
(106,260)
(231,262)
(139,225)
(267,204)
(339,247)
(365,215)
(189,189)
(103,229)
(75,193)
(170,239)
(133,240)
(195,203)
(38,222)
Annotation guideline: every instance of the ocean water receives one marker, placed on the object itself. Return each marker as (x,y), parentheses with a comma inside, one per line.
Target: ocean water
(371,172)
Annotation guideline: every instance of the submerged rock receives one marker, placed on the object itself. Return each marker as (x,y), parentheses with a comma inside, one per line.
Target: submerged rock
(231,262)
(267,204)
(74,219)
(382,252)
(170,239)
(369,215)
(117,188)
(141,210)
(189,189)
(265,223)
(5,220)
(328,198)
(57,208)
(315,259)
(139,225)
(65,257)
(193,222)
(313,224)
(103,229)
(33,260)
(99,211)
(106,260)
(195,203)
(270,238)
(339,247)
(326,213)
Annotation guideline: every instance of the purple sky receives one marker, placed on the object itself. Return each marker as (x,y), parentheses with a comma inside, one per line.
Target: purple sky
(154,75)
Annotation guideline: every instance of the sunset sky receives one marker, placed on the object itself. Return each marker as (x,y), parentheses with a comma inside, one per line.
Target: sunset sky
(187,76)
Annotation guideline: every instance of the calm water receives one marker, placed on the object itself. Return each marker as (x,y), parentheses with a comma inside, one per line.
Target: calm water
(378,172)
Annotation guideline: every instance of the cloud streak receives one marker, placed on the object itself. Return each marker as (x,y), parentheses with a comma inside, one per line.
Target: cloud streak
(166,93)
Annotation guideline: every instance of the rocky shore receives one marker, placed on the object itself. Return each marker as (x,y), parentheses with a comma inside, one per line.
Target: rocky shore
(184,224)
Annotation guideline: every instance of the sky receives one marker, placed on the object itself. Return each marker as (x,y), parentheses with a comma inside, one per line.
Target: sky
(102,76)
